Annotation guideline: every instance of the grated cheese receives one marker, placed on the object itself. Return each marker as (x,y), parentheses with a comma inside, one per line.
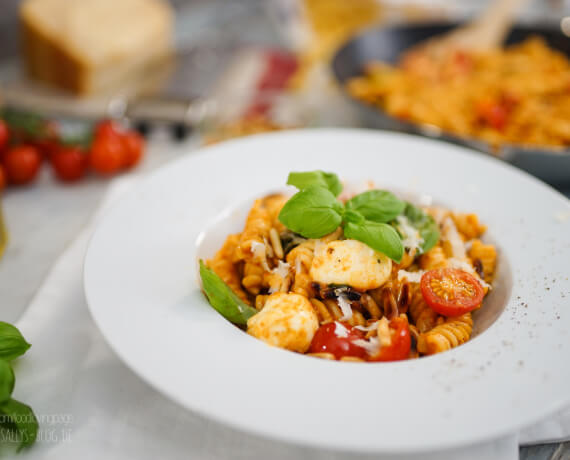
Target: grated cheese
(412,238)
(371,346)
(451,234)
(340,330)
(259,251)
(413,277)
(371,327)
(344,304)
(282,269)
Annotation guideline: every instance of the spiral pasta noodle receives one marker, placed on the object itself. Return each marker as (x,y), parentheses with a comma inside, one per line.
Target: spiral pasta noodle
(301,258)
(452,333)
(223,266)
(434,258)
(486,255)
(423,317)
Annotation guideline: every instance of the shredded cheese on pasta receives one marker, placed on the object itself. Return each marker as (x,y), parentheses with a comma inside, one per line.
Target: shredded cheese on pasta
(413,277)
(259,251)
(344,304)
(412,238)
(340,330)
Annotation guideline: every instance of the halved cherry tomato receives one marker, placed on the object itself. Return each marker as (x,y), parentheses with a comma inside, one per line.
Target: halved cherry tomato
(450,291)
(22,164)
(133,144)
(338,340)
(400,345)
(69,163)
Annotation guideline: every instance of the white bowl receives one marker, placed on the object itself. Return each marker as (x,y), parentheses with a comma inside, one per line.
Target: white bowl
(142,289)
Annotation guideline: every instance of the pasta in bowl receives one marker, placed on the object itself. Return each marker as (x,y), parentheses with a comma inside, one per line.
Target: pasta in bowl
(352,277)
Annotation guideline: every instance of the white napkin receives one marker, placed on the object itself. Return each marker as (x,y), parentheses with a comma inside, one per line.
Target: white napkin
(91,406)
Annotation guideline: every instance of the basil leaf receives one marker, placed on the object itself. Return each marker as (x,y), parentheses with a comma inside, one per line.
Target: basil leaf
(313,212)
(379,236)
(7,380)
(303,180)
(12,343)
(23,418)
(223,299)
(353,217)
(425,224)
(377,205)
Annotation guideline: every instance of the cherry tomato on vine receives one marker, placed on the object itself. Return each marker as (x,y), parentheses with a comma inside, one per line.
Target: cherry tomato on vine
(450,291)
(106,128)
(133,144)
(106,155)
(22,164)
(337,338)
(69,163)
(400,345)
(48,142)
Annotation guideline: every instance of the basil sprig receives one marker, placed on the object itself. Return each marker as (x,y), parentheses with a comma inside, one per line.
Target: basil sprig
(223,299)
(314,212)
(14,415)
(424,223)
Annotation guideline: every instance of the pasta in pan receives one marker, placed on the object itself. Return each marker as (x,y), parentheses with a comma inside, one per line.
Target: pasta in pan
(384,280)
(517,95)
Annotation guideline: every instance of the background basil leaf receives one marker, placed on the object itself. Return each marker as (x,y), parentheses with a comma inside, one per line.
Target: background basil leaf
(379,236)
(312,212)
(7,380)
(303,180)
(223,299)
(377,205)
(425,224)
(12,343)
(23,418)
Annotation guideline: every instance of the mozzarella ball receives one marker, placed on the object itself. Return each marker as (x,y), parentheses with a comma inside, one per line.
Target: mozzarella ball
(286,321)
(352,263)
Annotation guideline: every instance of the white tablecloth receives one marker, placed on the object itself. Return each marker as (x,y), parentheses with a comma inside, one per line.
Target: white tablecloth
(90,405)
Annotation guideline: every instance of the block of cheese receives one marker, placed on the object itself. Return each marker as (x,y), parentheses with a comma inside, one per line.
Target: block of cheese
(90,46)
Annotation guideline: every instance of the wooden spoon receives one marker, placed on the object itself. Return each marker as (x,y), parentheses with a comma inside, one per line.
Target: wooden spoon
(484,33)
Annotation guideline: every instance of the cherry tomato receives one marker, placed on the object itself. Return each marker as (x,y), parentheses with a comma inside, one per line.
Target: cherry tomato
(69,163)
(106,156)
(328,339)
(4,135)
(492,114)
(22,164)
(48,142)
(133,144)
(106,128)
(451,292)
(2,178)
(399,348)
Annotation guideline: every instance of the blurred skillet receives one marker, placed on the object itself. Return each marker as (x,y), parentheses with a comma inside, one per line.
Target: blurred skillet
(386,44)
